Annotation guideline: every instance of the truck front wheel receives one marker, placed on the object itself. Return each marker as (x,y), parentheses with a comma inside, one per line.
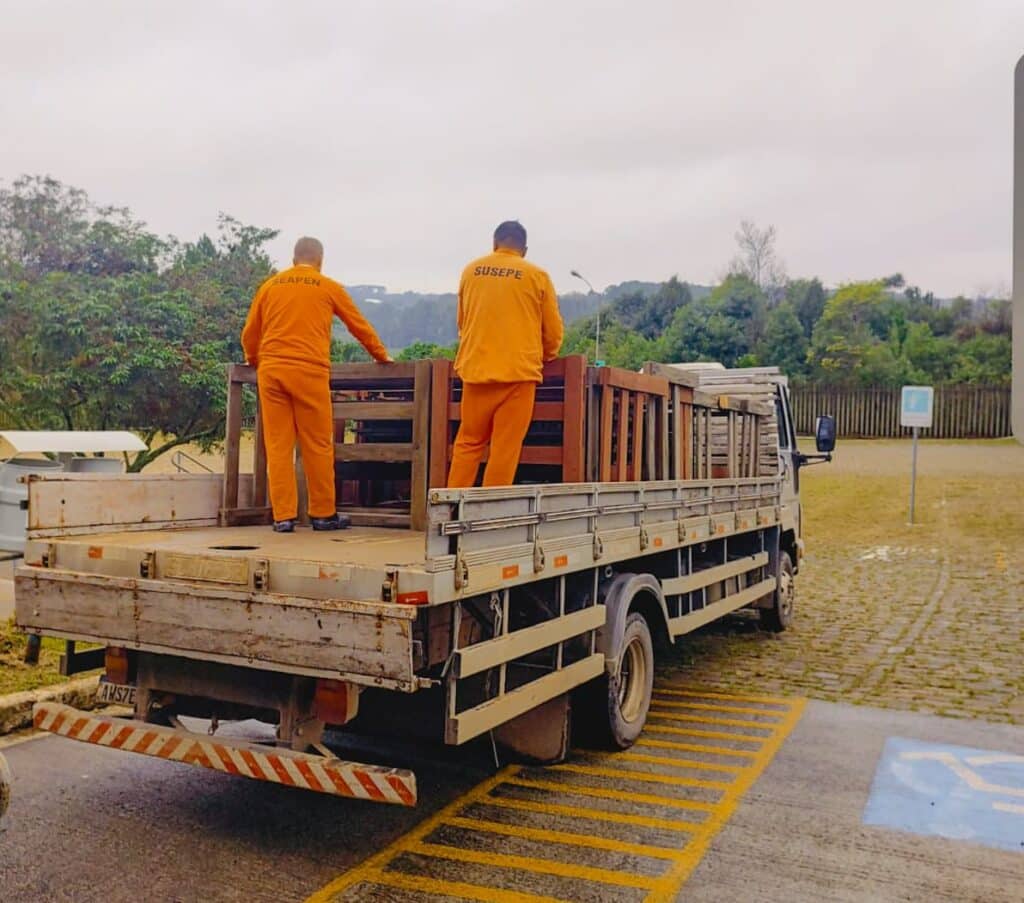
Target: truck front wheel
(618,702)
(780,615)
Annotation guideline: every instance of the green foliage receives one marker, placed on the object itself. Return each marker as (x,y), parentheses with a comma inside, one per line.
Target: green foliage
(348,352)
(807,296)
(418,351)
(784,343)
(106,326)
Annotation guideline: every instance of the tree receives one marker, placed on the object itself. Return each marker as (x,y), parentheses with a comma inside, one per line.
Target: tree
(807,296)
(650,314)
(47,227)
(758,261)
(122,340)
(422,350)
(784,344)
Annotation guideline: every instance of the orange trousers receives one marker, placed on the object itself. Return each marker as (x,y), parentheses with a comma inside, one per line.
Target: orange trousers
(295,403)
(495,413)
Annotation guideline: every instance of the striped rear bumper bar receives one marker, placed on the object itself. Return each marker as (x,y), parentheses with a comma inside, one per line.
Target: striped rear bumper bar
(238,757)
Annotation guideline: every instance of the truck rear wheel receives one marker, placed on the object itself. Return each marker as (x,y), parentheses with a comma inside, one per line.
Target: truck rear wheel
(780,616)
(619,702)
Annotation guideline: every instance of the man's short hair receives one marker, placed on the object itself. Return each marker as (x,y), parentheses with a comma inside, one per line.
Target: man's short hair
(510,234)
(308,250)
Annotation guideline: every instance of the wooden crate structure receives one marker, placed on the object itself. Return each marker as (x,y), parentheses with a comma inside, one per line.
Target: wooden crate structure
(394,427)
(381,435)
(553,451)
(734,422)
(627,426)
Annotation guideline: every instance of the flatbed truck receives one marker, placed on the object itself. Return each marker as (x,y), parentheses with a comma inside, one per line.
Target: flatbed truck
(511,612)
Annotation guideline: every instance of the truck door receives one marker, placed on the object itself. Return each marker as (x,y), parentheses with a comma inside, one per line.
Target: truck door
(789,471)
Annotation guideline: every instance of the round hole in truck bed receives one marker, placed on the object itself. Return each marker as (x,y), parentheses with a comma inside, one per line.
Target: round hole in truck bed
(235,548)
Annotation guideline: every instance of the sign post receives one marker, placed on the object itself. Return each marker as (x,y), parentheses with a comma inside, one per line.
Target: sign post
(916,404)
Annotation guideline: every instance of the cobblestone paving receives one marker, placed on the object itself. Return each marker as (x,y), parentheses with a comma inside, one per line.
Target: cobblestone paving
(929,617)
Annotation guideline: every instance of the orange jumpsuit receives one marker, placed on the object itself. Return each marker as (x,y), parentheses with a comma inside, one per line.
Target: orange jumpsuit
(509,325)
(287,337)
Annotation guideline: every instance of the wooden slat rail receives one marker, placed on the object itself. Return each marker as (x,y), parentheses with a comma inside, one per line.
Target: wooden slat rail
(628,427)
(556,437)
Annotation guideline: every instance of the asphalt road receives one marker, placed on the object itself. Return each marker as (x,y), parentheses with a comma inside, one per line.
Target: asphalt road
(94,824)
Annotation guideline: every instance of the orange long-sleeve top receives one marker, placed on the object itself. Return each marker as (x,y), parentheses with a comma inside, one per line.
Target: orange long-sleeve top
(509,322)
(291,316)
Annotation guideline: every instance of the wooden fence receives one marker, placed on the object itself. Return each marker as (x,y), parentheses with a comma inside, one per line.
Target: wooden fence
(961,412)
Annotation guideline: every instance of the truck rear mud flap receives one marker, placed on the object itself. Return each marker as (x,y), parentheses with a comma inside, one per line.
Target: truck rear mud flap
(305,771)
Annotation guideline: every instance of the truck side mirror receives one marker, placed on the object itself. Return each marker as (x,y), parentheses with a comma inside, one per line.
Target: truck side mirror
(825,433)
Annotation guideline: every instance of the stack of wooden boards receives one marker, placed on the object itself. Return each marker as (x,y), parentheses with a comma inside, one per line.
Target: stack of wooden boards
(395,426)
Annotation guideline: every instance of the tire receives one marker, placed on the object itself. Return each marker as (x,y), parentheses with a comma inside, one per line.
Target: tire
(617,705)
(780,616)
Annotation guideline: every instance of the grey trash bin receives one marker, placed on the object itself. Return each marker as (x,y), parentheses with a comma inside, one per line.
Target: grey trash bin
(14,499)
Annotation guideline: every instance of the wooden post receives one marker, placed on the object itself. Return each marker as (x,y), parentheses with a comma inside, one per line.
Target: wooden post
(422,390)
(232,438)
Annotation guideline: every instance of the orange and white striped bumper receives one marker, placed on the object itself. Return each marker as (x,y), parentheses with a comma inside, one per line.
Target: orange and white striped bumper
(238,757)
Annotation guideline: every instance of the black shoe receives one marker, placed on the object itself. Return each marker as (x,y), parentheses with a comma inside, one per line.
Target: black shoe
(334,522)
(285,526)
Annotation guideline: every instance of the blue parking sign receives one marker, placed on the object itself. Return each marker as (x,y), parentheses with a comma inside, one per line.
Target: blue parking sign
(957,792)
(916,406)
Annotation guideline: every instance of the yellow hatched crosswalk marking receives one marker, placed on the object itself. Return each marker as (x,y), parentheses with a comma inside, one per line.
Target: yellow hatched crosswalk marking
(662,850)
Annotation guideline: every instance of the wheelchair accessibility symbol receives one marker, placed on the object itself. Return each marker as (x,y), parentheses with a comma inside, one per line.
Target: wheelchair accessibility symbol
(950,791)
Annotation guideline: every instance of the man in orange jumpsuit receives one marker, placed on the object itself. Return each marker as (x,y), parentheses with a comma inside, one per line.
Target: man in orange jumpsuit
(287,337)
(509,325)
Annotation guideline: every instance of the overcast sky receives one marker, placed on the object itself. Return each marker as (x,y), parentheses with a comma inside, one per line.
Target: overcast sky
(629,138)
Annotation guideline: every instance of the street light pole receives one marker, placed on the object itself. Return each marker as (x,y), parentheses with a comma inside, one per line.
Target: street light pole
(597,337)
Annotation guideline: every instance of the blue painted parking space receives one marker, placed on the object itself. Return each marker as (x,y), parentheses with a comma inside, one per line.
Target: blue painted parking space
(957,792)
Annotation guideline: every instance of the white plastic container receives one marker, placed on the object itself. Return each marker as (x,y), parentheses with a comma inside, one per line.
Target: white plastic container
(14,499)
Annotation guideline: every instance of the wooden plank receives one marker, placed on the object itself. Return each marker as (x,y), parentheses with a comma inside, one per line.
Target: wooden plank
(541,454)
(440,427)
(673,586)
(674,375)
(635,382)
(491,653)
(381,452)
(327,637)
(636,463)
(709,613)
(372,371)
(622,445)
(377,517)
(246,517)
(374,410)
(605,459)
(419,473)
(573,420)
(543,411)
(476,721)
(112,500)
(232,442)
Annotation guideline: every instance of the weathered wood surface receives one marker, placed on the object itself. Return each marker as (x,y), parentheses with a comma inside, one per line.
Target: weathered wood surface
(77,503)
(371,645)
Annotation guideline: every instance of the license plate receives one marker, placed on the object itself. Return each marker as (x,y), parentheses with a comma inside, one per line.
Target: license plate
(116,694)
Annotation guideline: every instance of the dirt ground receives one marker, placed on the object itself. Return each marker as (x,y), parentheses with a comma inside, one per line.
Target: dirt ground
(925,617)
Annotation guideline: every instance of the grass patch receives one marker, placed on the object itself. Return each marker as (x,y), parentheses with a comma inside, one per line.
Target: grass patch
(15,675)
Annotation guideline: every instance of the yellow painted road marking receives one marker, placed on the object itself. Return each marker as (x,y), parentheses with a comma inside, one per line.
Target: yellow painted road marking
(532,864)
(645,741)
(728,722)
(732,709)
(546,835)
(424,885)
(710,694)
(649,777)
(693,732)
(623,818)
(601,793)
(676,763)
(679,861)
